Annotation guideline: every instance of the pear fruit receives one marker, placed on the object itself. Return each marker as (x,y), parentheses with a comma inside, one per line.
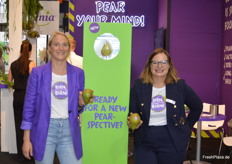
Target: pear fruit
(134,120)
(87,94)
(106,49)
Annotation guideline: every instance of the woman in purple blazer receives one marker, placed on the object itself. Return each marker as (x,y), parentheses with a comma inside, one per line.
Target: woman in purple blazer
(159,97)
(52,104)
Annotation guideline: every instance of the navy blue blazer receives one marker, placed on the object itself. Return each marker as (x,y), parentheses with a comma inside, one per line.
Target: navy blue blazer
(177,95)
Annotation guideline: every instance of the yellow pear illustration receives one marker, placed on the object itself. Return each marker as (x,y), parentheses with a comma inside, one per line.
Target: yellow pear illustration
(106,49)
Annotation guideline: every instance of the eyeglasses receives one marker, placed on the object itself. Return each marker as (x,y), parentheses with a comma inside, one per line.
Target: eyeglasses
(162,62)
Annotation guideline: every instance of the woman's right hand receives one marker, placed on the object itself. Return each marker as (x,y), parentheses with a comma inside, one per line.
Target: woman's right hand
(129,125)
(27,146)
(27,149)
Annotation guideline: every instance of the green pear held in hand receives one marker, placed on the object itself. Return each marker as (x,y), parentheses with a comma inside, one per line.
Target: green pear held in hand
(134,120)
(106,49)
(87,94)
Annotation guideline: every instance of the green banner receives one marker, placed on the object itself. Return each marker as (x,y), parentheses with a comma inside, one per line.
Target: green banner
(107,63)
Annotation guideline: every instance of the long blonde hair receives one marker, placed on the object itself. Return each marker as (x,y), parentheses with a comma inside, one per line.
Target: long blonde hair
(146,75)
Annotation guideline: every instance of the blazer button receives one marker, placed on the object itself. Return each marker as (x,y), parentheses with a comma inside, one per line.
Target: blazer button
(142,104)
(176,124)
(174,106)
(141,113)
(69,111)
(174,115)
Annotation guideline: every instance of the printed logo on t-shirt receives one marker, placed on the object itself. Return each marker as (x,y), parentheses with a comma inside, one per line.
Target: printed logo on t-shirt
(60,90)
(158,103)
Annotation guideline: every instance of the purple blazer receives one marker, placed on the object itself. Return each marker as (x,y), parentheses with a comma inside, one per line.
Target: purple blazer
(37,106)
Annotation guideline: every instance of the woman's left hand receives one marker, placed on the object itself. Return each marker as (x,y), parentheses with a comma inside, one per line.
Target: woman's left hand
(129,124)
(81,100)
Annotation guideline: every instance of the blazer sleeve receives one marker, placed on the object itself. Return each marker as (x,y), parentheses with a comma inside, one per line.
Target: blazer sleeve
(193,101)
(134,97)
(82,86)
(30,99)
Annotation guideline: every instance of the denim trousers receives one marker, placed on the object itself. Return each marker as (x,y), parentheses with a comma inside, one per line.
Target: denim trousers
(59,140)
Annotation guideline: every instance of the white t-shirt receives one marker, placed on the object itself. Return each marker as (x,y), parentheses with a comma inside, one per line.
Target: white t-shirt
(158,115)
(75,60)
(59,96)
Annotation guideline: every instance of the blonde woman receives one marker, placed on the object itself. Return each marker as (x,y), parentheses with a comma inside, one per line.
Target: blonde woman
(52,105)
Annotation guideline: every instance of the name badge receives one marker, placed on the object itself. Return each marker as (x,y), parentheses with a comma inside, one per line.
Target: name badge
(171,101)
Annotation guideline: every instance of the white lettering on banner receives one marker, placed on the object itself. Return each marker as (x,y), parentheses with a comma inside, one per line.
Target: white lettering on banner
(90,18)
(227,48)
(228,73)
(228,25)
(227,81)
(227,65)
(228,14)
(136,21)
(111,7)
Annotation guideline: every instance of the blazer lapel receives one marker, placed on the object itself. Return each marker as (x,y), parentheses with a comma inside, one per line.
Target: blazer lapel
(169,90)
(71,80)
(47,78)
(146,94)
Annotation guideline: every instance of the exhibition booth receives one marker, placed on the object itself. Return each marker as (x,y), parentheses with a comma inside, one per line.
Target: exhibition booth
(196,33)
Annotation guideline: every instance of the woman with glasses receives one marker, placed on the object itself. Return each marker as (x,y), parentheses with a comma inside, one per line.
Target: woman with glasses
(159,97)
(52,104)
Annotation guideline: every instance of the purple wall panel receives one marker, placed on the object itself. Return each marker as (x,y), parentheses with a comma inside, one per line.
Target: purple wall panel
(162,14)
(197,63)
(195,44)
(226,90)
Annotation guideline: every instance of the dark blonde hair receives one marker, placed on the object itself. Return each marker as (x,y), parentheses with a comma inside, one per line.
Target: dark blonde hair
(146,75)
(25,50)
(72,44)
(52,37)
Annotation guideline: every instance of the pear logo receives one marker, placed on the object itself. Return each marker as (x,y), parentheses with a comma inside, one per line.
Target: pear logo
(106,49)
(107,46)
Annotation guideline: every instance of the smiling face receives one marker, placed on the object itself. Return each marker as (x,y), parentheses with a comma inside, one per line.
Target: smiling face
(59,48)
(159,66)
